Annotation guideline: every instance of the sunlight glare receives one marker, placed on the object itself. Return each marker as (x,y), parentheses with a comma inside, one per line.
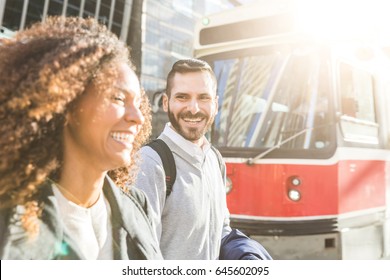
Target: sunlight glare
(343,19)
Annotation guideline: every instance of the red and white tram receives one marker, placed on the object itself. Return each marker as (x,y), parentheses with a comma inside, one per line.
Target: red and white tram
(304,127)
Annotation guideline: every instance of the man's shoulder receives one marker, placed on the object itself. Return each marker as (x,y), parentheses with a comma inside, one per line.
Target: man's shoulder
(153,149)
(149,155)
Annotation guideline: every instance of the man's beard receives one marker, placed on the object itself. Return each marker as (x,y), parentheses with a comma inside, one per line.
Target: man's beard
(190,134)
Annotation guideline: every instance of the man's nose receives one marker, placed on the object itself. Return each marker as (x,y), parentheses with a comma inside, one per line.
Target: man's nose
(193,106)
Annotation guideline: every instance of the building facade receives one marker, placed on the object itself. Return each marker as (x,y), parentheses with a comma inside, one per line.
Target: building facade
(159,32)
(19,14)
(166,25)
(168,35)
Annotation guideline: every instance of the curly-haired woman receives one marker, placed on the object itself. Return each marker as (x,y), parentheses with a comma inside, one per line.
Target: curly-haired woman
(73,117)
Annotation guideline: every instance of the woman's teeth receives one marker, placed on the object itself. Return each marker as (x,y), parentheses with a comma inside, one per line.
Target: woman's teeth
(120,136)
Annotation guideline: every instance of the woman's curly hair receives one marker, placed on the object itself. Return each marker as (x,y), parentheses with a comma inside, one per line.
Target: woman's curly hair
(43,70)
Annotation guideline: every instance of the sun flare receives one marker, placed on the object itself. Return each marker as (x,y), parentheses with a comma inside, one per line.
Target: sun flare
(364,20)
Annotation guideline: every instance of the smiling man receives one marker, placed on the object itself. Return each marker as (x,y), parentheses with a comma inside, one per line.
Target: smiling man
(193,218)
(191,102)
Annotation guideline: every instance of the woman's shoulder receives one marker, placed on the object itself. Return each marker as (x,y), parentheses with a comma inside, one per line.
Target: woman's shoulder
(130,197)
(138,195)
(4,218)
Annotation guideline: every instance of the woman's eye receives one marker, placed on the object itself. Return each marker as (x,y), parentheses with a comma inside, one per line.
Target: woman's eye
(118,99)
(137,104)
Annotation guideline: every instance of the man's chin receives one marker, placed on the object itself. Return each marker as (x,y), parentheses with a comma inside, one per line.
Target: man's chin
(192,135)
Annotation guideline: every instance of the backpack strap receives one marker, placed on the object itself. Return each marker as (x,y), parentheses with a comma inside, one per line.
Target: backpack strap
(168,162)
(169,165)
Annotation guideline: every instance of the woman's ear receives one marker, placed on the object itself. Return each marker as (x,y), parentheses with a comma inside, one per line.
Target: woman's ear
(67,118)
(70,117)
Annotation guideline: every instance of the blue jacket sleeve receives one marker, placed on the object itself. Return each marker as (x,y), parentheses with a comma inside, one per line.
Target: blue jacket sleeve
(238,246)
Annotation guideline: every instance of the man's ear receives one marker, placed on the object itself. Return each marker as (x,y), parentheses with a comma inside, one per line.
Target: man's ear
(165,102)
(216,105)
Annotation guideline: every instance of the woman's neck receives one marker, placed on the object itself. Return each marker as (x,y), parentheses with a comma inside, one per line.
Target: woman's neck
(82,187)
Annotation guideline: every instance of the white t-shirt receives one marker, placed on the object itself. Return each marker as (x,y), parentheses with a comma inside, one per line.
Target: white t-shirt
(90,228)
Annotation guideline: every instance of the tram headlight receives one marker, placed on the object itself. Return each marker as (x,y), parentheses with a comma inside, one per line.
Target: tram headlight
(205,21)
(229,185)
(295,181)
(294,194)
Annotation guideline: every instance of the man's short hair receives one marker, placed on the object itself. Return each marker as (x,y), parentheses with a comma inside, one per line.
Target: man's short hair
(188,66)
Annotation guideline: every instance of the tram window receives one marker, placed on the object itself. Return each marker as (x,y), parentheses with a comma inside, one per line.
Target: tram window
(299,117)
(358,120)
(242,96)
(273,99)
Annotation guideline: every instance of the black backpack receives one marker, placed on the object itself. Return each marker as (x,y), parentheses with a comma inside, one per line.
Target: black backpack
(168,162)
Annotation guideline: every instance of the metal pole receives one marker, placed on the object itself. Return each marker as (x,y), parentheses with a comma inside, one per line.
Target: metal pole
(112,9)
(45,9)
(82,5)
(24,15)
(126,20)
(97,9)
(64,8)
(2,8)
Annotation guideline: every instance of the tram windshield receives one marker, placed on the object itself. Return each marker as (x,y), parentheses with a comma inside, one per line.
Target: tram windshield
(268,97)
